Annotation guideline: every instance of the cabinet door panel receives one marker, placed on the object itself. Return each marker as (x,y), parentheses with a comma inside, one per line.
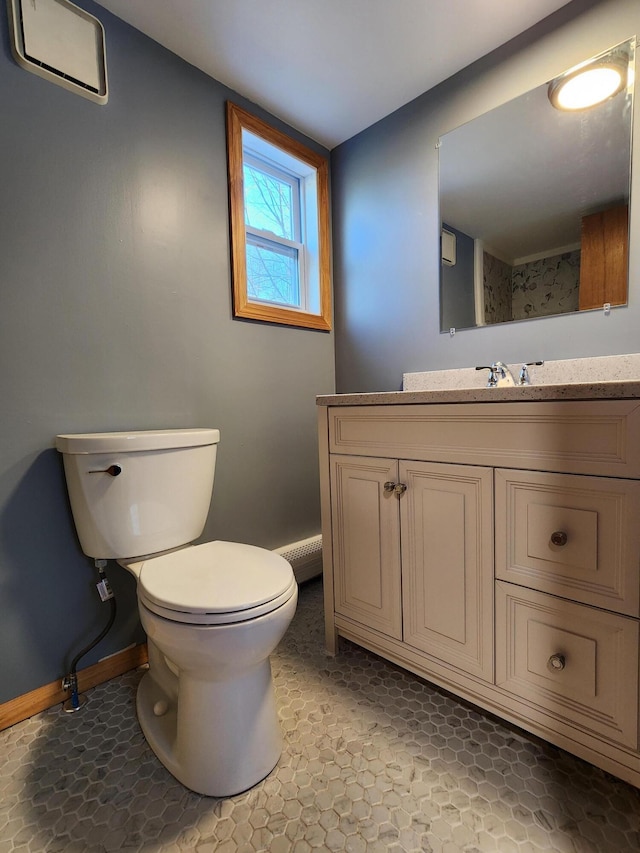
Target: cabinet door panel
(577,663)
(366,542)
(447,563)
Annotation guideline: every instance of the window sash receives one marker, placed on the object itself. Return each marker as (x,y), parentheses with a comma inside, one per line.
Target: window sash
(285,177)
(287,249)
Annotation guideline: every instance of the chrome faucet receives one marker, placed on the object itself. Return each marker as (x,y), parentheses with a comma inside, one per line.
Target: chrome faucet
(499,375)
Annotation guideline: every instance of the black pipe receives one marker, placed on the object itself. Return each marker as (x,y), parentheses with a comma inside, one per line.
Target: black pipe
(72,677)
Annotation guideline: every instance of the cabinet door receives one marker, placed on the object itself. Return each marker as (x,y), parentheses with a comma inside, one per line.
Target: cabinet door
(604,258)
(447,563)
(366,542)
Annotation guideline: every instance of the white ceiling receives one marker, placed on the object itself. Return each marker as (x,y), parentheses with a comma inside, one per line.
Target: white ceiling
(331,67)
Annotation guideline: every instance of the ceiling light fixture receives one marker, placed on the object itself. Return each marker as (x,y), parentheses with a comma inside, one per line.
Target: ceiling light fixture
(590,83)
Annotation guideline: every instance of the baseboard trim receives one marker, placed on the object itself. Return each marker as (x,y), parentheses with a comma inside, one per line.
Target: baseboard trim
(25,706)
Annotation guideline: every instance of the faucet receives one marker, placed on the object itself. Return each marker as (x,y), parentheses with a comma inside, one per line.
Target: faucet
(499,375)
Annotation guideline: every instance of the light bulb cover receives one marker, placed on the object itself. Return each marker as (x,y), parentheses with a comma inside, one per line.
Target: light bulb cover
(589,84)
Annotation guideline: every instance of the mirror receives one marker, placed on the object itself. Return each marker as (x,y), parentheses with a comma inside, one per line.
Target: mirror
(534,208)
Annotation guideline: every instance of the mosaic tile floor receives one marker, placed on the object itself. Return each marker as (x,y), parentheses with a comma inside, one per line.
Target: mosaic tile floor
(375,760)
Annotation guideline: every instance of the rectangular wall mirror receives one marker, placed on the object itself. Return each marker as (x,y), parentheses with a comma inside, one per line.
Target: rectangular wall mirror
(534,202)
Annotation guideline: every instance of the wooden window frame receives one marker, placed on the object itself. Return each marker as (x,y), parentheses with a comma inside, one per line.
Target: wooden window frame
(238,120)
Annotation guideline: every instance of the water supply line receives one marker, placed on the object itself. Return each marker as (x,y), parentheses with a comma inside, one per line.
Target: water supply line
(70,681)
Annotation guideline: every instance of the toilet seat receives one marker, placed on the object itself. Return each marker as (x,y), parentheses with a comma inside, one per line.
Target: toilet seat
(215,583)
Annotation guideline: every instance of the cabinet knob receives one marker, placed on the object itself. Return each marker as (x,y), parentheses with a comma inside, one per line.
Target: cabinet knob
(398,488)
(559,537)
(556,663)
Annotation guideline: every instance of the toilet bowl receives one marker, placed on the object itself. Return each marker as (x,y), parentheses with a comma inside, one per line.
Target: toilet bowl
(213,612)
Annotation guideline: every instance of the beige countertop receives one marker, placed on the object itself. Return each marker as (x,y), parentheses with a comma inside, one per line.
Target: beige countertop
(620,390)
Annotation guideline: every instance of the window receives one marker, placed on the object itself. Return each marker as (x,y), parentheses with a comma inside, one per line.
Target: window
(279,198)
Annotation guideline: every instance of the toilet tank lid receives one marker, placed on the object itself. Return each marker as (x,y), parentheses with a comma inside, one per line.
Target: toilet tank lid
(135,441)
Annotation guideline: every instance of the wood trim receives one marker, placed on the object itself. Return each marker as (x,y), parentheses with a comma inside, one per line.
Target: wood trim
(237,119)
(22,707)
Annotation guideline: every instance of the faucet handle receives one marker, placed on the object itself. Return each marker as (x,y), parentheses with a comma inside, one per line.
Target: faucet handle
(523,377)
(492,381)
(499,375)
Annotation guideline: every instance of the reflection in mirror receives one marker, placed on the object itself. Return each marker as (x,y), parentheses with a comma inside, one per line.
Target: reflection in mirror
(534,203)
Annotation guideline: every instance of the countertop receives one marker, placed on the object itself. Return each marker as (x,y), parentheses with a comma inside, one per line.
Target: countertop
(616,390)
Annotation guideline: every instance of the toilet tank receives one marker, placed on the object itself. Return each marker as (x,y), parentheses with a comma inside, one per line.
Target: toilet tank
(135,493)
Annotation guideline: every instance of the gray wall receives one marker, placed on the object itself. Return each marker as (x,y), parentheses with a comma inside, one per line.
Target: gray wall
(386,224)
(115,313)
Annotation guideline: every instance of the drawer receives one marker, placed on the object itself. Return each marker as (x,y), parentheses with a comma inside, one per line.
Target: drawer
(599,437)
(574,663)
(573,536)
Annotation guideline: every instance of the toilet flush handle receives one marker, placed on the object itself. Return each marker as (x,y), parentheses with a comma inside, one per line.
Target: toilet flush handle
(114,470)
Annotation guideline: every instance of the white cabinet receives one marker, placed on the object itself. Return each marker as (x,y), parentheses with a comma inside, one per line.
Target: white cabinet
(494,549)
(441,576)
(366,543)
(573,536)
(573,663)
(447,564)
(569,547)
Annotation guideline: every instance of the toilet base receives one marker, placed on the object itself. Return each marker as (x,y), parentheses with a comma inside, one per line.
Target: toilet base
(217,738)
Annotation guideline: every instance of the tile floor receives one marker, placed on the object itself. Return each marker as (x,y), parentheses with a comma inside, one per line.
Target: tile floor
(375,760)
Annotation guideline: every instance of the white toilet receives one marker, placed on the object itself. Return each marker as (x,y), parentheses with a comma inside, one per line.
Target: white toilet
(213,613)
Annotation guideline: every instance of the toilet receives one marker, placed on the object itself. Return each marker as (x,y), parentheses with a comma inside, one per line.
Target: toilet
(213,612)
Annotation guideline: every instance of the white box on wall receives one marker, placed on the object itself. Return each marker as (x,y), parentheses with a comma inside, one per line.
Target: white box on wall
(448,242)
(62,43)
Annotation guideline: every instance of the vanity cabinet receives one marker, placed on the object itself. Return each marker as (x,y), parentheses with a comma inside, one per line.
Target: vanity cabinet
(494,549)
(412,555)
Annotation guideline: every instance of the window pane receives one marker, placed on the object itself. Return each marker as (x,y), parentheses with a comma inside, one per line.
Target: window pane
(268,202)
(272,273)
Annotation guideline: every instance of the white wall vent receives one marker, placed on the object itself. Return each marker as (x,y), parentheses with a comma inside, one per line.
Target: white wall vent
(448,241)
(305,557)
(61,43)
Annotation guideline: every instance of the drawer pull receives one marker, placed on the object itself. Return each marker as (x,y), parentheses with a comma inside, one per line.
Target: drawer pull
(559,537)
(556,663)
(398,488)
